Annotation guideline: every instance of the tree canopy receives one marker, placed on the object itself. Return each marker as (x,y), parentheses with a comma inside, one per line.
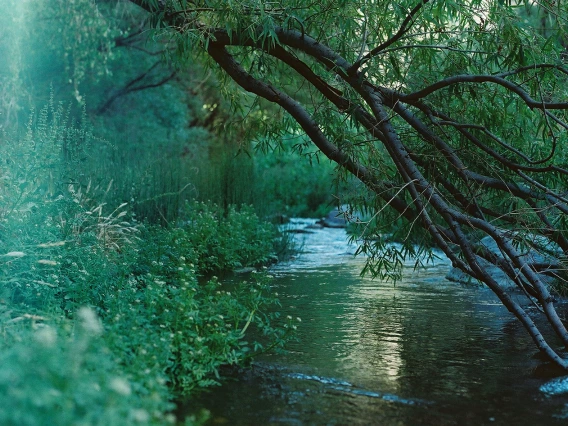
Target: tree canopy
(453,114)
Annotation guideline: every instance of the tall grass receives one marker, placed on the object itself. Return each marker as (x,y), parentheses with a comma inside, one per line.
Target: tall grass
(102,318)
(158,176)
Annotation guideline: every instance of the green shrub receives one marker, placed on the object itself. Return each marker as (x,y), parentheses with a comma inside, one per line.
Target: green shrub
(65,375)
(164,331)
(227,241)
(201,324)
(65,254)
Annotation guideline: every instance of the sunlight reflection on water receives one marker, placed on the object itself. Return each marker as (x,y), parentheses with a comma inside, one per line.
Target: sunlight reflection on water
(372,352)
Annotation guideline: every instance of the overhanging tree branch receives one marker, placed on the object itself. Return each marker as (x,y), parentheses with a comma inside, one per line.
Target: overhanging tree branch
(135,85)
(466,78)
(447,170)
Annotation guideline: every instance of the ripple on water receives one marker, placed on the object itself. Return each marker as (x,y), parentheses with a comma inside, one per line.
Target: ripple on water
(346,387)
(421,351)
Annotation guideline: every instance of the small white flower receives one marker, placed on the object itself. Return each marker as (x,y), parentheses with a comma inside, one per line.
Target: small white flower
(89,320)
(120,386)
(46,336)
(140,415)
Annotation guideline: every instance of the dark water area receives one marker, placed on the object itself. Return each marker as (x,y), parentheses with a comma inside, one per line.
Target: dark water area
(422,352)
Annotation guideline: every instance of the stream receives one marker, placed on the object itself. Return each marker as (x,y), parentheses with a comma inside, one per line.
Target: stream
(423,351)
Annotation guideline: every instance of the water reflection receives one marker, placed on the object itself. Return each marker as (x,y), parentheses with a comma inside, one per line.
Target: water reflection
(370,352)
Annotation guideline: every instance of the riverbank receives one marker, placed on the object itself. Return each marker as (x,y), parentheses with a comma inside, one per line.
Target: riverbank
(110,323)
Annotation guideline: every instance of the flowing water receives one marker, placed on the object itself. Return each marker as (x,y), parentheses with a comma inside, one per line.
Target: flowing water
(423,351)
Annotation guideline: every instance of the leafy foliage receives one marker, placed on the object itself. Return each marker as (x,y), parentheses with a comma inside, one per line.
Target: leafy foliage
(51,375)
(231,241)
(104,319)
(453,114)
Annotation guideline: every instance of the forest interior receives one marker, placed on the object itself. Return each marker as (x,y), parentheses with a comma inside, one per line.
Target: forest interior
(149,147)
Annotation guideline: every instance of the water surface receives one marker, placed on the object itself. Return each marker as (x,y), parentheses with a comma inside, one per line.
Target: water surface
(423,351)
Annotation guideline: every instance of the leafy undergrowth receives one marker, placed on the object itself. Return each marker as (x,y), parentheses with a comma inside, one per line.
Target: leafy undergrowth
(103,320)
(152,328)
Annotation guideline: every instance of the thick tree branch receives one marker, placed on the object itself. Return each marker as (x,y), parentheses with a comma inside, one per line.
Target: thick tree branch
(456,219)
(467,78)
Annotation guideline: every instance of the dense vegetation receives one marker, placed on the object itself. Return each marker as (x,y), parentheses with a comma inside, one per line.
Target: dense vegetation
(121,197)
(164,133)
(106,319)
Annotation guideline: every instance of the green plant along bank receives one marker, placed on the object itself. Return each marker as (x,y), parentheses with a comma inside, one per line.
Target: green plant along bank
(105,320)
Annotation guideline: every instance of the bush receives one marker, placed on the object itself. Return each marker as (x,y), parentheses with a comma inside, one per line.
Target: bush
(227,241)
(199,326)
(104,320)
(50,375)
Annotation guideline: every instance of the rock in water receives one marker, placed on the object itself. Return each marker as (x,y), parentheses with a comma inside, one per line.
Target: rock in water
(334,219)
(555,386)
(548,255)
(339,217)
